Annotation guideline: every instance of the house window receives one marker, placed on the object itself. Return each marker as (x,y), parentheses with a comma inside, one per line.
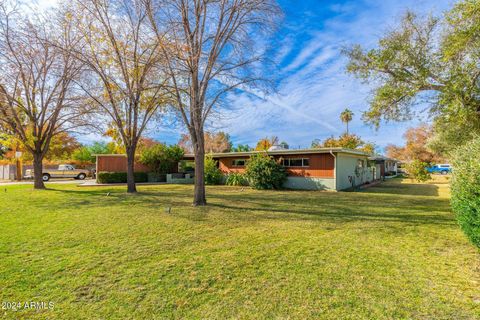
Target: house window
(360,164)
(239,162)
(295,162)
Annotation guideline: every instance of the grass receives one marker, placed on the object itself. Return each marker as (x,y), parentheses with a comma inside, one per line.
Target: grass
(390,252)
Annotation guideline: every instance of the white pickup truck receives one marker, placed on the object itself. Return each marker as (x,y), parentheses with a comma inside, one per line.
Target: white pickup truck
(63,171)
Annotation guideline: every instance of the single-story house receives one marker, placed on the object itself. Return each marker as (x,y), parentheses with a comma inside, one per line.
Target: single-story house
(332,169)
(385,166)
(116,163)
(311,169)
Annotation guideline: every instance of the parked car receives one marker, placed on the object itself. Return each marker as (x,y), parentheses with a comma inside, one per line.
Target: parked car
(63,171)
(440,168)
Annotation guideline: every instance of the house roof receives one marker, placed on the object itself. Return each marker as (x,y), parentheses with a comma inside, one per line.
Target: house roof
(271,153)
(380,157)
(285,152)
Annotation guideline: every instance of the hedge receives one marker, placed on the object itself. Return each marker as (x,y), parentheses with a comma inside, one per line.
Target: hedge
(120,177)
(466,189)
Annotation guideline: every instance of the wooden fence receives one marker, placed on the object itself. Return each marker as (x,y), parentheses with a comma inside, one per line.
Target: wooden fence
(7,172)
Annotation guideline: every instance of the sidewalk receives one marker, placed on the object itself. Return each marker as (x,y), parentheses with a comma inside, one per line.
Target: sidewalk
(93,183)
(57,181)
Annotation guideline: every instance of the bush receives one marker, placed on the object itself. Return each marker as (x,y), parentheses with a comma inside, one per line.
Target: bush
(157,177)
(161,158)
(418,170)
(120,177)
(236,179)
(83,155)
(187,166)
(466,189)
(263,172)
(212,173)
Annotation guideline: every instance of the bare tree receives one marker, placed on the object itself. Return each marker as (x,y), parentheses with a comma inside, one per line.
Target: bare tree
(124,70)
(209,49)
(214,142)
(37,95)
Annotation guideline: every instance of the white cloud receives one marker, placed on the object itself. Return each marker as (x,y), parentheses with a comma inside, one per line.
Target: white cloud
(315,87)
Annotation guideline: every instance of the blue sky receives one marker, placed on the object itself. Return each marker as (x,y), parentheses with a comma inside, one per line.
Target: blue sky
(313,88)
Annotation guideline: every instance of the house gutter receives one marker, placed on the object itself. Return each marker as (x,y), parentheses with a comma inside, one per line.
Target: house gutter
(335,166)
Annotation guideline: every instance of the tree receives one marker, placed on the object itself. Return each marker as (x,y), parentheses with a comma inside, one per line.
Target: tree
(62,147)
(417,170)
(4,144)
(395,152)
(265,143)
(316,143)
(145,143)
(209,53)
(369,148)
(284,145)
(38,96)
(116,146)
(416,146)
(346,116)
(125,80)
(161,158)
(185,143)
(432,60)
(241,148)
(215,142)
(348,141)
(85,154)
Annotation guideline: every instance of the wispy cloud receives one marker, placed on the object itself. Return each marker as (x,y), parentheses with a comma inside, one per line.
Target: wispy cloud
(314,87)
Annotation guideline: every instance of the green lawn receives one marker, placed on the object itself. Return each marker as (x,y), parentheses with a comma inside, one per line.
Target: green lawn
(391,252)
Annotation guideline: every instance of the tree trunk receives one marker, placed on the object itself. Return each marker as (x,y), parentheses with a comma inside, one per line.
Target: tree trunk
(131,187)
(199,198)
(38,171)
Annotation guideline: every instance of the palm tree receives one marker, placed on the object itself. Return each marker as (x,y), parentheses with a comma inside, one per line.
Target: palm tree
(346,116)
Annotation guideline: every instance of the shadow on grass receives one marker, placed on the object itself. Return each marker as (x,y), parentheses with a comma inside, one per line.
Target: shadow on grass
(389,202)
(392,187)
(344,214)
(83,199)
